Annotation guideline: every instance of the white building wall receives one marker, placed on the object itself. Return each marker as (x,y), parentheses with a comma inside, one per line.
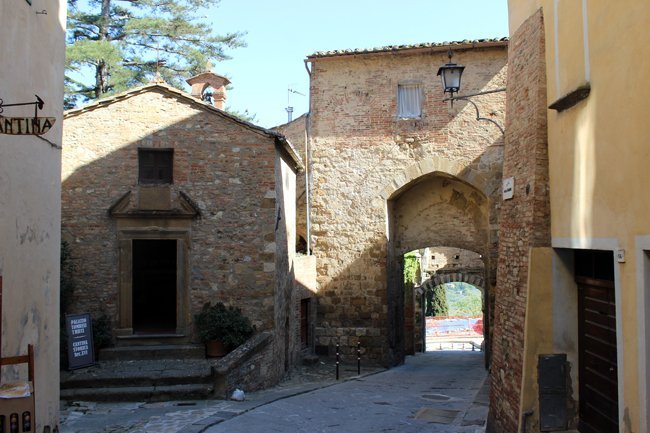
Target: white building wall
(32,51)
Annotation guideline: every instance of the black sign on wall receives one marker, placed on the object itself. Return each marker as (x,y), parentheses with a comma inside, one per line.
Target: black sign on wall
(80,340)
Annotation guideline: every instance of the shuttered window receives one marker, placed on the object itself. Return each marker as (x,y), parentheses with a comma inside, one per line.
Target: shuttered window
(155,166)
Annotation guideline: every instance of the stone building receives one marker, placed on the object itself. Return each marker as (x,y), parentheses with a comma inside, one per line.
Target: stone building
(392,169)
(570,346)
(169,203)
(448,260)
(33,52)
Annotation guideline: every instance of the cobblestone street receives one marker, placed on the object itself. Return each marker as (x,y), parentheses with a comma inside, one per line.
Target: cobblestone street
(439,392)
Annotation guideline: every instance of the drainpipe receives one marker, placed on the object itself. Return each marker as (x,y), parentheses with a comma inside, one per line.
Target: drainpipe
(307,159)
(524,419)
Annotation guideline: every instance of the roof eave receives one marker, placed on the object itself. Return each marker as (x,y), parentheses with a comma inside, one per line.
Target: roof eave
(402,50)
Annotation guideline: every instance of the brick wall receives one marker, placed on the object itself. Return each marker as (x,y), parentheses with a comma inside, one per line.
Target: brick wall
(525,219)
(229,171)
(361,158)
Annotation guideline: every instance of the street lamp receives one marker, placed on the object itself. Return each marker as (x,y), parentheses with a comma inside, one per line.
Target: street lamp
(451,74)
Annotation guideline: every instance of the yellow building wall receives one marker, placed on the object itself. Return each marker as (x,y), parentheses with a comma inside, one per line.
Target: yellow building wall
(599,154)
(32,54)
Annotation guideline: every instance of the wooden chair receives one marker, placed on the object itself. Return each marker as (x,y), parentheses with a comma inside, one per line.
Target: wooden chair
(17,414)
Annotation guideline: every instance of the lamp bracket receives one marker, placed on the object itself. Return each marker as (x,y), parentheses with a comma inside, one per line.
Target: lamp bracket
(478,115)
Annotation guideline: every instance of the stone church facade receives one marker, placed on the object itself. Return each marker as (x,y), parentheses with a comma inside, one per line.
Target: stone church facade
(387,176)
(168,203)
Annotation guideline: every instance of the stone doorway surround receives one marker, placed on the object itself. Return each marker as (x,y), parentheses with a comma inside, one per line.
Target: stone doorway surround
(126,235)
(154,215)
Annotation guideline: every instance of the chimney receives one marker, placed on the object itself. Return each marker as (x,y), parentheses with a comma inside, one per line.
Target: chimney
(209,79)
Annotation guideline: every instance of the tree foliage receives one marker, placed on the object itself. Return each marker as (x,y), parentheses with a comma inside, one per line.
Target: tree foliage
(411,265)
(436,301)
(123,43)
(464,300)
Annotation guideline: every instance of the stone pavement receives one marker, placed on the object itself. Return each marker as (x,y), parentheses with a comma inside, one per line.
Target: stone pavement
(433,392)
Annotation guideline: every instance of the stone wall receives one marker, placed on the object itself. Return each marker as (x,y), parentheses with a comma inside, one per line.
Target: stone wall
(224,168)
(525,219)
(296,131)
(305,291)
(445,260)
(363,157)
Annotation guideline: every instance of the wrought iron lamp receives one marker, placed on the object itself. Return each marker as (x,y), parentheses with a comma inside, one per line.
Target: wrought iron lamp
(451,74)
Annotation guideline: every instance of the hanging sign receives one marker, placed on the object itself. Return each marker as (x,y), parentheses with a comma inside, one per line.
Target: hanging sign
(80,340)
(25,125)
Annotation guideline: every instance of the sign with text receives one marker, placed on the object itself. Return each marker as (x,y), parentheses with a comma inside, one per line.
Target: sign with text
(80,340)
(25,125)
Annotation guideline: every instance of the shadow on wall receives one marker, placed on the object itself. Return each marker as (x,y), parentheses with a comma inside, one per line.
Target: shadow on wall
(365,300)
(220,205)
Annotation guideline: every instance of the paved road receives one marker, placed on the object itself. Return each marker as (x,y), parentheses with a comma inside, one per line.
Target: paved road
(434,392)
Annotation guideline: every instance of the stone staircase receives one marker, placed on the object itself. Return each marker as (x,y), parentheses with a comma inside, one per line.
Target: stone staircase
(143,373)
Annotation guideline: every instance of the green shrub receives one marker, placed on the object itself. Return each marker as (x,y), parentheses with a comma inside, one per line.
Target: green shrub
(102,332)
(226,324)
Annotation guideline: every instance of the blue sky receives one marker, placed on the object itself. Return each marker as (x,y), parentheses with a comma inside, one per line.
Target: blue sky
(281,33)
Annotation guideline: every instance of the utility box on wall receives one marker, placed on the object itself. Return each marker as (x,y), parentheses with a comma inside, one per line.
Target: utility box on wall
(552,382)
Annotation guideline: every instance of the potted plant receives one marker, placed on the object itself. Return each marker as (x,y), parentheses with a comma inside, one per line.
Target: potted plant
(222,328)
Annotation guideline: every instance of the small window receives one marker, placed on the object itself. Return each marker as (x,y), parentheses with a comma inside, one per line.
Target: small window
(155,166)
(409,101)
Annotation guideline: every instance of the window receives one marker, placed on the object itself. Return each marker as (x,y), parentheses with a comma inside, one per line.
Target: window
(155,165)
(409,101)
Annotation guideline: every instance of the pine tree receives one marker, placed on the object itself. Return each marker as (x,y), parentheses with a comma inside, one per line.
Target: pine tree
(436,304)
(123,43)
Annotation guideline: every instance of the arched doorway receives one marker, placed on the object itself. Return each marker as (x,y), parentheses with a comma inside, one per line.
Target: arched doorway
(445,286)
(452,316)
(434,210)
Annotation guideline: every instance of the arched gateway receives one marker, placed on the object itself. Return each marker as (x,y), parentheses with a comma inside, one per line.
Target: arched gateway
(384,179)
(433,209)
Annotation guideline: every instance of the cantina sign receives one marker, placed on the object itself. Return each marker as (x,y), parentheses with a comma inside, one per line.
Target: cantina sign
(25,125)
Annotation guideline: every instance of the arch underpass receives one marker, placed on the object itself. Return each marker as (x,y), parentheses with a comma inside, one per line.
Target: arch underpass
(432,210)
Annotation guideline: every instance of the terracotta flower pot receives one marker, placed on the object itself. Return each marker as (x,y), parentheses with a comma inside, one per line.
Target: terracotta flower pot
(215,349)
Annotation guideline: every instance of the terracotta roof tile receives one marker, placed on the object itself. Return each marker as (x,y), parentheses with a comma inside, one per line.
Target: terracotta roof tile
(465,44)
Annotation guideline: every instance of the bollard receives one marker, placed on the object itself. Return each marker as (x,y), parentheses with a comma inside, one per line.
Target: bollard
(358,358)
(338,359)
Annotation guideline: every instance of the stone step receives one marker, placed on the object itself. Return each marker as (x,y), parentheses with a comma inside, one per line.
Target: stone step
(150,339)
(153,352)
(139,380)
(139,393)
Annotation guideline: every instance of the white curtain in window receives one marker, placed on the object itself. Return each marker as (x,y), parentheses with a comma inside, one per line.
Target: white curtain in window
(409,100)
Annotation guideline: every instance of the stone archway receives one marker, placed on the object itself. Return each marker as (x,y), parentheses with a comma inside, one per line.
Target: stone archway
(472,277)
(432,209)
(444,166)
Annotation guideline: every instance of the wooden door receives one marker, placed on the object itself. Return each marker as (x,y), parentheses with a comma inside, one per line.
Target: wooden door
(304,323)
(597,356)
(154,285)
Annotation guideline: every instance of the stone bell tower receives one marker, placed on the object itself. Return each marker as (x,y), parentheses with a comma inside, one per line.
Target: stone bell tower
(207,79)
